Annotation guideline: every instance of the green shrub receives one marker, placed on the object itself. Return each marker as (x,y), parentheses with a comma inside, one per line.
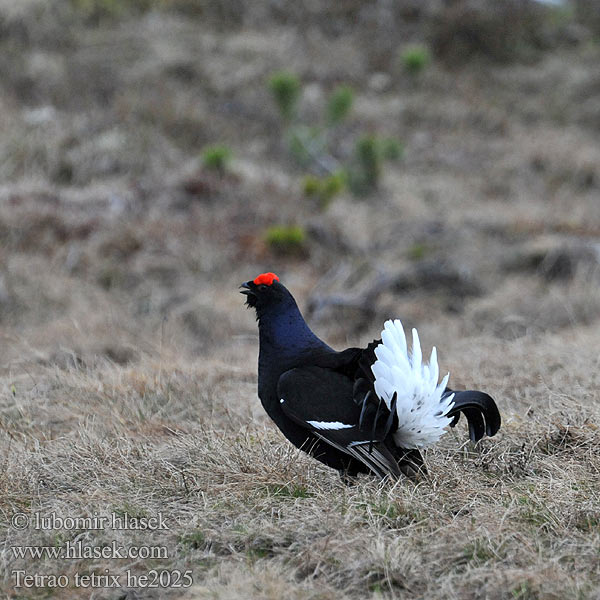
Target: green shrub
(216,158)
(391,149)
(333,185)
(339,104)
(369,160)
(324,189)
(415,59)
(418,251)
(320,148)
(195,539)
(285,87)
(365,170)
(286,239)
(311,186)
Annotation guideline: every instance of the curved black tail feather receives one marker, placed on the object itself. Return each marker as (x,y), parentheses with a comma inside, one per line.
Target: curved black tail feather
(480,411)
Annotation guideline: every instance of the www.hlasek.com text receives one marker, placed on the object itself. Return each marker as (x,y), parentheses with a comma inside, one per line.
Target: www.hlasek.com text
(78,550)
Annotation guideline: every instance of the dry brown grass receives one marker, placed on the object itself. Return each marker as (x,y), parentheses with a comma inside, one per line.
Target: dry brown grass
(127,361)
(516,515)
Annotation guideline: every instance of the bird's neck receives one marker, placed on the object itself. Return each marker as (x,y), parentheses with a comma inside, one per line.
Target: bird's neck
(286,341)
(286,333)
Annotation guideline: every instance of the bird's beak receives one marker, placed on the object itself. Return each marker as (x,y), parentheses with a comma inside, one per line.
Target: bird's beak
(246,289)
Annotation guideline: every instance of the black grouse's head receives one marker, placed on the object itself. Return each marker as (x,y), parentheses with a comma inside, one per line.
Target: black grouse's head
(265,293)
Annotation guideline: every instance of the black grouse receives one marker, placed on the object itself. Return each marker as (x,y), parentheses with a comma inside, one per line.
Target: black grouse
(362,410)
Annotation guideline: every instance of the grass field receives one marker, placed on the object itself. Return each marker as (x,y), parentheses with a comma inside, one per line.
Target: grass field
(128,362)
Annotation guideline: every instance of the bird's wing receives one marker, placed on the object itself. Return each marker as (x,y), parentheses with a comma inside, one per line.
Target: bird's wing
(322,401)
(345,362)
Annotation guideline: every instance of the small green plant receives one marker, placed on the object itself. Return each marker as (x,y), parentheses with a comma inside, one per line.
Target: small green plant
(369,157)
(365,177)
(364,172)
(216,158)
(524,591)
(339,104)
(285,87)
(333,185)
(478,551)
(286,239)
(311,186)
(386,509)
(195,539)
(415,59)
(255,554)
(418,251)
(324,189)
(391,149)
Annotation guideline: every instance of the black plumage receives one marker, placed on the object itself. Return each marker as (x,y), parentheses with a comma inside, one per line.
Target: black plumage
(325,401)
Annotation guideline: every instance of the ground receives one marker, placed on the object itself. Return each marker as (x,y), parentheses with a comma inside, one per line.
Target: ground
(128,362)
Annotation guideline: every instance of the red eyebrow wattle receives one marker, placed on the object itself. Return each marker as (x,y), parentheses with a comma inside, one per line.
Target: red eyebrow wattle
(266,279)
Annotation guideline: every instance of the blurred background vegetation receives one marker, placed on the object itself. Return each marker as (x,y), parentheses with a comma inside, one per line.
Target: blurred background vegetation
(411,157)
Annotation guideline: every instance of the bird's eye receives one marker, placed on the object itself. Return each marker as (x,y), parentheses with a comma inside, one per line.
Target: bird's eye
(262,287)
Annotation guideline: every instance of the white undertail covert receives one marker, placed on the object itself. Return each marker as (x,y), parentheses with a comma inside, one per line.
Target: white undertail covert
(421,410)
